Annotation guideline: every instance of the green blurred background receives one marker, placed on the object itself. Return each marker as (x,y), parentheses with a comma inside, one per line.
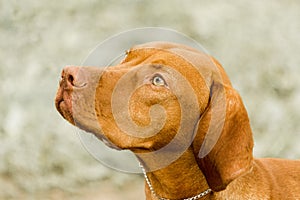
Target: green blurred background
(257,42)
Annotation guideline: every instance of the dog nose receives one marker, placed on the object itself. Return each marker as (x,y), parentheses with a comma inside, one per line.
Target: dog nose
(73,76)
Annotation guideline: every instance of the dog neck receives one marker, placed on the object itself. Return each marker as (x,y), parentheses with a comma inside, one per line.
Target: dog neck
(181,179)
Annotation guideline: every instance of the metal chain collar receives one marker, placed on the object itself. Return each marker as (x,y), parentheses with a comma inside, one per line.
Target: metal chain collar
(198,196)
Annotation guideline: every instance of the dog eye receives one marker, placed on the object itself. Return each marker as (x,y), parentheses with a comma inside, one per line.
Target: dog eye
(158,81)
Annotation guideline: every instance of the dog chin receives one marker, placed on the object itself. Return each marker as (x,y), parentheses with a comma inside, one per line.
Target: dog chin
(98,134)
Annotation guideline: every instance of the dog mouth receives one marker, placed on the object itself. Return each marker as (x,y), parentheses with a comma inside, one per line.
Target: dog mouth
(64,105)
(75,100)
(67,108)
(73,82)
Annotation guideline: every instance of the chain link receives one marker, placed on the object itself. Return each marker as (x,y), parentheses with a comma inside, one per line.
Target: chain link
(198,196)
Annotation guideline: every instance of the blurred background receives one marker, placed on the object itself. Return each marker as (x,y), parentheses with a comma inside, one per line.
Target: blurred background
(257,42)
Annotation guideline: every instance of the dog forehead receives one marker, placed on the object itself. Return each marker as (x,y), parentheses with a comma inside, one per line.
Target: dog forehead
(163,50)
(173,54)
(163,46)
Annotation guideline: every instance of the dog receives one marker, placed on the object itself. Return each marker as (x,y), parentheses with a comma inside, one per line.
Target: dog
(174,107)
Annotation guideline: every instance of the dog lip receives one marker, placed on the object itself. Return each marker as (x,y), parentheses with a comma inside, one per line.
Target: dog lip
(99,136)
(61,105)
(62,108)
(109,144)
(58,105)
(139,150)
(58,100)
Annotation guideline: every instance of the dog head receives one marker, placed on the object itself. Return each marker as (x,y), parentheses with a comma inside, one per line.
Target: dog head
(160,100)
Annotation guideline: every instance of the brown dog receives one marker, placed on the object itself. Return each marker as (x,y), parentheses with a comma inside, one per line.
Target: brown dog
(175,108)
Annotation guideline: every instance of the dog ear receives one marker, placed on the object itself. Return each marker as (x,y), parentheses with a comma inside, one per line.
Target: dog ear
(223,144)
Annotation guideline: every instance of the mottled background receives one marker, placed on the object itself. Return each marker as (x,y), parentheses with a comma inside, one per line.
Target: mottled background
(258,43)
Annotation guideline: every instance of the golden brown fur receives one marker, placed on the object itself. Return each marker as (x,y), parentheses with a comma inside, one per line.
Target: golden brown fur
(228,168)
